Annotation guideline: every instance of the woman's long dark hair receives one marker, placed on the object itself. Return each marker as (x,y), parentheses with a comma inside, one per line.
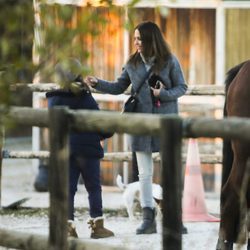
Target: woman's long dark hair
(153,44)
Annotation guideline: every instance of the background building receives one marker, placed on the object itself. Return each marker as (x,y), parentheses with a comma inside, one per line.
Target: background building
(207,36)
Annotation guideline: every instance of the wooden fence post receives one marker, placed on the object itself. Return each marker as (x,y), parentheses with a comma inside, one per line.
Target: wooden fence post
(58,178)
(171,143)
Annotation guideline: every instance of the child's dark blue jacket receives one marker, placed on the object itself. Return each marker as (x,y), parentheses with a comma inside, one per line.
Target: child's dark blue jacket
(84,143)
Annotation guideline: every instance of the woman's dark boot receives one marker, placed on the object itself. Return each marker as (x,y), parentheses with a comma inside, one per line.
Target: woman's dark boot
(148,225)
(183,228)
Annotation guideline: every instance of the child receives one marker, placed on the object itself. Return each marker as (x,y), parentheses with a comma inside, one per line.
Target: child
(85,148)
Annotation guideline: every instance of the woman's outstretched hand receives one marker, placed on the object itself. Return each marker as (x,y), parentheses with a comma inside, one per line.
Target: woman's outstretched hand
(91,81)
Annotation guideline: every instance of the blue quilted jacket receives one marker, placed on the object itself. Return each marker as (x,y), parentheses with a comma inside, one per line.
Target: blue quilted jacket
(175,86)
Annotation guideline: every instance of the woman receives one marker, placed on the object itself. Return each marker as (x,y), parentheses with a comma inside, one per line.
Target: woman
(85,148)
(158,95)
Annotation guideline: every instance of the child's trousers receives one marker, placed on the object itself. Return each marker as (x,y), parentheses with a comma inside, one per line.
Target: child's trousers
(89,168)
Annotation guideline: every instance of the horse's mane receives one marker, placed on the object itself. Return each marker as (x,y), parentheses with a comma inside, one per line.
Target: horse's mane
(230,75)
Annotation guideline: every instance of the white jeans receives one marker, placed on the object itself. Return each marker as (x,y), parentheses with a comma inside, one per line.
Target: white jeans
(145,168)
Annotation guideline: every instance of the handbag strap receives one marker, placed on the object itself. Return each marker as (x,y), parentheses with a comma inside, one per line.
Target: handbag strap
(144,79)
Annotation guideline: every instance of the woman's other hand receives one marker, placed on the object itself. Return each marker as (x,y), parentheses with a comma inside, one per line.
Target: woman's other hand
(91,81)
(157,89)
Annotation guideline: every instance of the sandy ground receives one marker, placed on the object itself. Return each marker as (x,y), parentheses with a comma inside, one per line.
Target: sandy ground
(17,183)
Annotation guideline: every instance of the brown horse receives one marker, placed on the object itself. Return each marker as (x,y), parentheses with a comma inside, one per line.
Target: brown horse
(234,203)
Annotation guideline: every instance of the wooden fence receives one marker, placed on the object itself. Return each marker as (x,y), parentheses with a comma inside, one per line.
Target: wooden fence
(171,129)
(114,156)
(88,121)
(192,89)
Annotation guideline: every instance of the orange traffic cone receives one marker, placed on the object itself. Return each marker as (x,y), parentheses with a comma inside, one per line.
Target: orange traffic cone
(194,207)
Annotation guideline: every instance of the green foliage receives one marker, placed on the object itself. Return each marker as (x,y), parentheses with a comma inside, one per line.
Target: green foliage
(16,29)
(133,3)
(56,38)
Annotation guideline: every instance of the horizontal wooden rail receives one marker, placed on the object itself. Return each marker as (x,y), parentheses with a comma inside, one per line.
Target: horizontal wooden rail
(21,240)
(231,127)
(89,120)
(114,156)
(139,124)
(10,154)
(205,90)
(208,89)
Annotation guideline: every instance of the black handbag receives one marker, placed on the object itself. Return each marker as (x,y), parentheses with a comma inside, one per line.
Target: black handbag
(131,103)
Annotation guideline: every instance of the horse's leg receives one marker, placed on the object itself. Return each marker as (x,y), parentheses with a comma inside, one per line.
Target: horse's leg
(231,203)
(228,217)
(248,228)
(224,245)
(232,229)
(248,206)
(245,202)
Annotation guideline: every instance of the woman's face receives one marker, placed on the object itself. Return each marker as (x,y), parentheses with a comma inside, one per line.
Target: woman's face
(137,41)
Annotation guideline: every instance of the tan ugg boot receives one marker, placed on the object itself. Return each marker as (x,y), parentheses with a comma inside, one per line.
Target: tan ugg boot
(72,229)
(97,228)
